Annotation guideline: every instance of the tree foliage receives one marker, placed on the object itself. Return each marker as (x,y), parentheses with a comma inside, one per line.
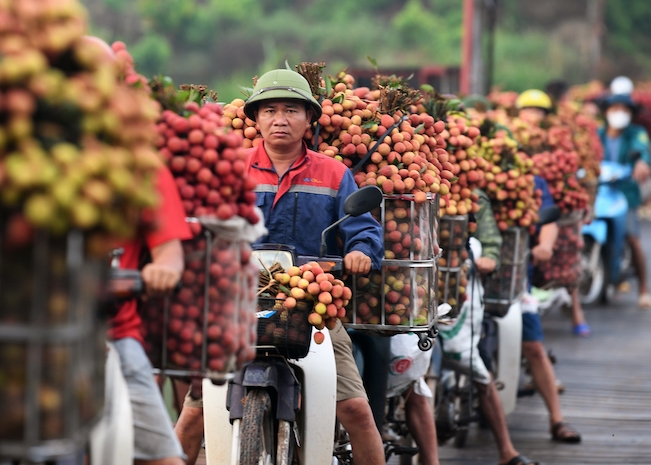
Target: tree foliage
(225,43)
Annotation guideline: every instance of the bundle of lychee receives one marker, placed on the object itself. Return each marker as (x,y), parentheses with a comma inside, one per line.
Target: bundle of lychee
(126,67)
(408,229)
(504,100)
(587,142)
(215,306)
(305,293)
(559,169)
(564,268)
(208,161)
(461,135)
(452,285)
(76,145)
(509,181)
(592,90)
(394,296)
(414,145)
(452,272)
(531,138)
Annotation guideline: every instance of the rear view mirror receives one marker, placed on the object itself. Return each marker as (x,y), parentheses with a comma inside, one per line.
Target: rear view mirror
(363,201)
(549,215)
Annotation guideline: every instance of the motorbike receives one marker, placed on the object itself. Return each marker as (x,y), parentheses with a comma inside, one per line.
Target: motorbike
(456,398)
(282,405)
(606,258)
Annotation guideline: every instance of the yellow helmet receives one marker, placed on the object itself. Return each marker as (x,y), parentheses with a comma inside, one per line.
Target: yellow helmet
(533,98)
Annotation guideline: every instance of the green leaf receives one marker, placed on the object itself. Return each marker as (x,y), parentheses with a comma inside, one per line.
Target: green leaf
(338,99)
(427,88)
(369,124)
(419,128)
(454,179)
(372,61)
(328,84)
(247,91)
(454,103)
(284,289)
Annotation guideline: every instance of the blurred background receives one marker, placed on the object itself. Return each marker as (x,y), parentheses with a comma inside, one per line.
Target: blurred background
(511,44)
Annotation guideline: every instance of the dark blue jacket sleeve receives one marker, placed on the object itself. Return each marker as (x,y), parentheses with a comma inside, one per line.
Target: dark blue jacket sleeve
(547,198)
(363,233)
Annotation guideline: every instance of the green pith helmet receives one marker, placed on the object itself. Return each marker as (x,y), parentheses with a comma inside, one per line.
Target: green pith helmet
(281,84)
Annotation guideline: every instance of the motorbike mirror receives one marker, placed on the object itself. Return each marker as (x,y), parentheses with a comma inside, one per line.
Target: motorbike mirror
(363,201)
(359,202)
(549,215)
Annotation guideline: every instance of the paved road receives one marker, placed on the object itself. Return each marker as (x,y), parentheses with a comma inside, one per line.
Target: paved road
(608,392)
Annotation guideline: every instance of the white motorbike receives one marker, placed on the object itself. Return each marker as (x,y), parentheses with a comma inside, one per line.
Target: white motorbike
(499,347)
(282,405)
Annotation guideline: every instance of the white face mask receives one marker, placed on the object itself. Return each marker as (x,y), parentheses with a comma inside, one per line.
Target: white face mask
(618,119)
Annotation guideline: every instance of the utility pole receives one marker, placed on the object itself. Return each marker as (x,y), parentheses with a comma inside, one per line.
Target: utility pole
(595,10)
(472,76)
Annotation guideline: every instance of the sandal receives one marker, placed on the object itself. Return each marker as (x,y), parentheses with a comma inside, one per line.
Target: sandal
(564,432)
(644,301)
(582,329)
(520,460)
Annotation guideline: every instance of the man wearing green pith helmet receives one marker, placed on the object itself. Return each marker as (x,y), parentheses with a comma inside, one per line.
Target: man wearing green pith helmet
(301,193)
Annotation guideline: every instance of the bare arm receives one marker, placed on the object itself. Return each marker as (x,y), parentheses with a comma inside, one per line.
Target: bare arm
(162,274)
(547,238)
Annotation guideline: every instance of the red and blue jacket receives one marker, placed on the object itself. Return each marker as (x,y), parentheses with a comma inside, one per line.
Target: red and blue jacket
(306,200)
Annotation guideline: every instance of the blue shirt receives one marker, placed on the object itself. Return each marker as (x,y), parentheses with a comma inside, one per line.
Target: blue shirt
(612,147)
(547,198)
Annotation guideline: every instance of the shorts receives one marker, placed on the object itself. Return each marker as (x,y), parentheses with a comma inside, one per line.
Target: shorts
(531,327)
(349,381)
(632,223)
(154,436)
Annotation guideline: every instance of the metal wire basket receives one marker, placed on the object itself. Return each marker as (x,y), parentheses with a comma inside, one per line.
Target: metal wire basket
(409,227)
(452,270)
(284,330)
(207,329)
(52,347)
(399,298)
(507,284)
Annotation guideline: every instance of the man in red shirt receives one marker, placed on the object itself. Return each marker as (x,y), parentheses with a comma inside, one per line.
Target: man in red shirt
(154,440)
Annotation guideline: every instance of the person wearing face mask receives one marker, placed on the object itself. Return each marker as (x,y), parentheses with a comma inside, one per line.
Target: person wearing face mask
(628,144)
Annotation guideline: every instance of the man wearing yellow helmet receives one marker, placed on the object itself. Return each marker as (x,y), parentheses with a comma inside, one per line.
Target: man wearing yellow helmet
(533,105)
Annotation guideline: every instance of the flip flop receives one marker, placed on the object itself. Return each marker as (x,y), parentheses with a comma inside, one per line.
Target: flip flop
(564,432)
(520,460)
(582,329)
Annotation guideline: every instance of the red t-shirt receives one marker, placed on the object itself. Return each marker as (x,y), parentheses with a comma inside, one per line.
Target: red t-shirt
(169,218)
